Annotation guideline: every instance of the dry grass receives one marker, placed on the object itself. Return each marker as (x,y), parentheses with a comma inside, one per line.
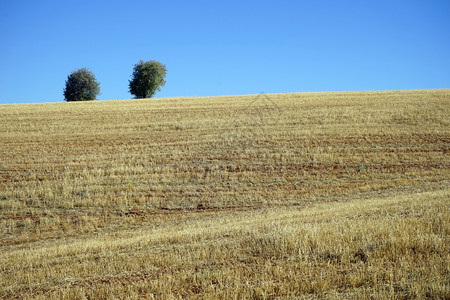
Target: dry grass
(333,195)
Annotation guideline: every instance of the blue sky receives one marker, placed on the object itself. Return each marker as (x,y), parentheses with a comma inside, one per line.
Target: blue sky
(224,47)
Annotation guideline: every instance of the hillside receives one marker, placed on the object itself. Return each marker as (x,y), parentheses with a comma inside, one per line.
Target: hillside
(259,196)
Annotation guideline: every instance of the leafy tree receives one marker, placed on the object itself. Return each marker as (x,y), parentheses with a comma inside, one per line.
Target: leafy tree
(81,85)
(147,78)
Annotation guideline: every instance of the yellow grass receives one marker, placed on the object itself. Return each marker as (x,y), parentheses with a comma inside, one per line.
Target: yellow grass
(309,195)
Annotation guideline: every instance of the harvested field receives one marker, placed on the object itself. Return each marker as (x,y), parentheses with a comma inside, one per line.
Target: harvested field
(306,195)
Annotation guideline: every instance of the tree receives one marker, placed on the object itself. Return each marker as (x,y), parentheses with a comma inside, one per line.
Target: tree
(81,85)
(147,78)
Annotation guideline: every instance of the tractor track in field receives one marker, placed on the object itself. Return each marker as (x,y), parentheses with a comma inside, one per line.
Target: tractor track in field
(148,216)
(203,208)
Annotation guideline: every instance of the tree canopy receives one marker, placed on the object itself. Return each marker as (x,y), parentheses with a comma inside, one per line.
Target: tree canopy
(81,85)
(147,78)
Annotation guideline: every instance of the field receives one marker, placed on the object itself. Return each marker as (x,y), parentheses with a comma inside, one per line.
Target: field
(306,195)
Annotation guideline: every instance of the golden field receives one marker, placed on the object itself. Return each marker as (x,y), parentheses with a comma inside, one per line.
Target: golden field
(307,195)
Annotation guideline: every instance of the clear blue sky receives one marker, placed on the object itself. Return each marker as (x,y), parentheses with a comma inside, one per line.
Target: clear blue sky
(224,47)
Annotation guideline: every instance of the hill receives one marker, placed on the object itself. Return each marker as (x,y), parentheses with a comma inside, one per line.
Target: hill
(259,196)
